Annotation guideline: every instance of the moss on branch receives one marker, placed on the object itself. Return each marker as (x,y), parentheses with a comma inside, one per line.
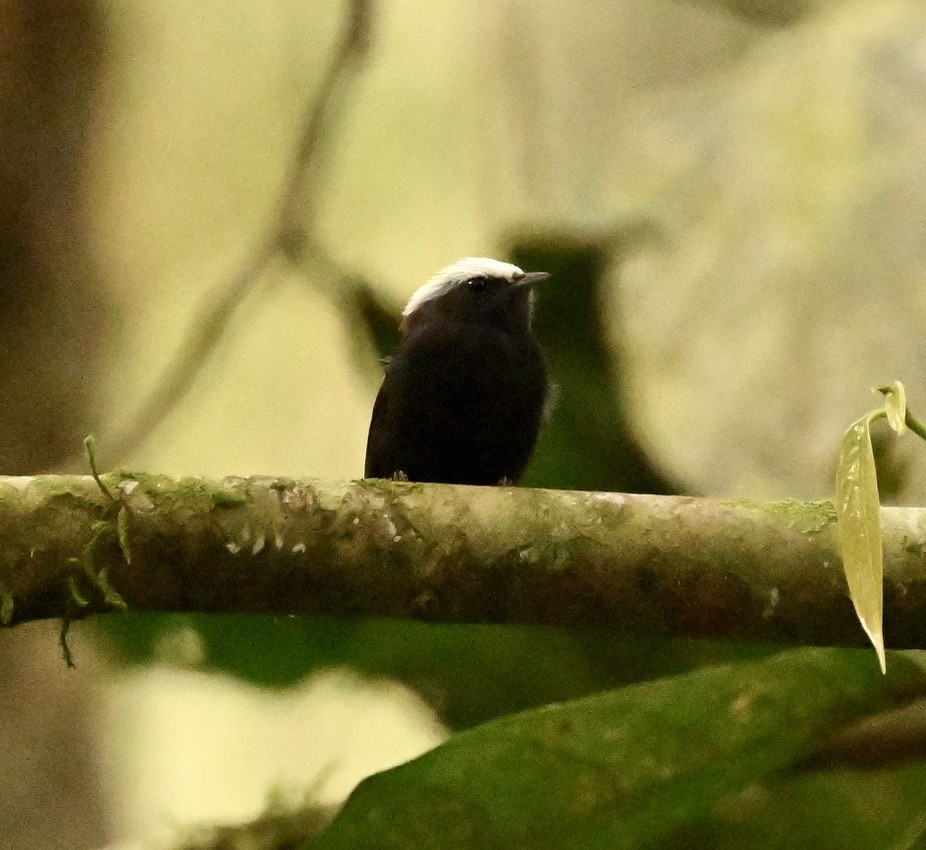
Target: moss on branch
(696,567)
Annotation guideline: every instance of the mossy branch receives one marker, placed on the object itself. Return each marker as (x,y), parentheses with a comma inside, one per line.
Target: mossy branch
(675,565)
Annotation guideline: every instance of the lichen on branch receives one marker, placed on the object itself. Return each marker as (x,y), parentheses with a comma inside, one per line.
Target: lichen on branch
(672,565)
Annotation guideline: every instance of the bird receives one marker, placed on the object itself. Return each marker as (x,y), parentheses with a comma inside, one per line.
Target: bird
(464,395)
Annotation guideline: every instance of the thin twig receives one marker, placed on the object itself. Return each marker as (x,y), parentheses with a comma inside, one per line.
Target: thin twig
(297,205)
(287,237)
(895,737)
(90,449)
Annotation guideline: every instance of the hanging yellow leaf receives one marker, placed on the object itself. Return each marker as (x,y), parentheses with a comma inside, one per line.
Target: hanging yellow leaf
(858,527)
(895,403)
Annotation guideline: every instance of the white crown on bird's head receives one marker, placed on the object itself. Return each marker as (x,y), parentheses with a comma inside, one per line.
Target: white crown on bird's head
(457,273)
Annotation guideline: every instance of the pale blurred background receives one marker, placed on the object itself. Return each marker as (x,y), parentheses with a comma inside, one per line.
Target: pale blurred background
(775,152)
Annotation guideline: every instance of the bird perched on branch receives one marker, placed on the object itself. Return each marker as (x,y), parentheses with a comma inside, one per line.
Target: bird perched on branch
(464,394)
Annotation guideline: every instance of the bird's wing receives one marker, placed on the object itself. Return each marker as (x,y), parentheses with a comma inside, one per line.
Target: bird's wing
(378,450)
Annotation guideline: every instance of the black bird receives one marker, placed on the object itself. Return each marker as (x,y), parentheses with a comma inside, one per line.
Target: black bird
(466,390)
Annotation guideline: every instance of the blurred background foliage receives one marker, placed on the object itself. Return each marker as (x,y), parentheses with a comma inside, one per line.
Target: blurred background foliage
(730,197)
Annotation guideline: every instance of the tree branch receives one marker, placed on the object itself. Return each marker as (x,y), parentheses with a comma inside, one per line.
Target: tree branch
(671,565)
(288,237)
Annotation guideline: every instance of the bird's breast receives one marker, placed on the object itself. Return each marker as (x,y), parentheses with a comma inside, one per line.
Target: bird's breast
(461,403)
(465,358)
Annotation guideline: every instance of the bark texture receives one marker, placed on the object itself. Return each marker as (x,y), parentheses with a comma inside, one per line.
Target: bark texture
(696,567)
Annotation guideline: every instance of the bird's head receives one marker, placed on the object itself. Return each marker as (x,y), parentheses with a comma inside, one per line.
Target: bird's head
(476,289)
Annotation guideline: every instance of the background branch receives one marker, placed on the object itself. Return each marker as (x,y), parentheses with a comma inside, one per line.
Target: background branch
(287,237)
(671,565)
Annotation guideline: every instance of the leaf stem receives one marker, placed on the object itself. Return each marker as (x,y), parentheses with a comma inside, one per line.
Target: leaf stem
(915,425)
(90,448)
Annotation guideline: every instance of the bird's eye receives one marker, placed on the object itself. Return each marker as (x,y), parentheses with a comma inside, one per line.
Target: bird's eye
(476,283)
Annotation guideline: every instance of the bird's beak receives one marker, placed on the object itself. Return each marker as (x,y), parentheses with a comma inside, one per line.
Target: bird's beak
(530,278)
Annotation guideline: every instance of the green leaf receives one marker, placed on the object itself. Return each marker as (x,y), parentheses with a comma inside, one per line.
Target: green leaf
(895,405)
(827,810)
(619,769)
(858,528)
(122,529)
